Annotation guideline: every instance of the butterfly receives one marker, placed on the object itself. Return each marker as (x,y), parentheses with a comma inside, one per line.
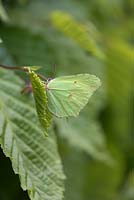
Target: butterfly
(67,95)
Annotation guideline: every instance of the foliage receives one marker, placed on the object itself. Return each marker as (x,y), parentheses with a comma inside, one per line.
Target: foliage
(40,100)
(33,157)
(80,35)
(96,148)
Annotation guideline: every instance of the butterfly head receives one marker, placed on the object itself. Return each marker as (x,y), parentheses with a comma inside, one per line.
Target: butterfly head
(46,83)
(49,79)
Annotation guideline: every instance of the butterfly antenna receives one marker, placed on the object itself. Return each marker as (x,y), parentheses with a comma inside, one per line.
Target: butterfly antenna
(54,70)
(42,77)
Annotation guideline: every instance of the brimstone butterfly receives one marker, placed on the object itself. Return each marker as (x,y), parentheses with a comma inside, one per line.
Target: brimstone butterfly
(67,95)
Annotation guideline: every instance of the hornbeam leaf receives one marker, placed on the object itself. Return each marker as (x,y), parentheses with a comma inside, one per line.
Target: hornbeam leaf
(86,136)
(34,157)
(3,14)
(33,68)
(65,23)
(40,97)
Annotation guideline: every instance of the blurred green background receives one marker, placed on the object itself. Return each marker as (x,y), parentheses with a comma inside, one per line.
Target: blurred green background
(89,36)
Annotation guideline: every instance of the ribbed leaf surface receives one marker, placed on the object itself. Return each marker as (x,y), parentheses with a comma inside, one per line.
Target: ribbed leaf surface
(34,157)
(40,97)
(120,72)
(85,135)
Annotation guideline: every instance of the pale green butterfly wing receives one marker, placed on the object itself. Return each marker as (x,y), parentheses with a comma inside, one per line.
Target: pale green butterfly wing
(67,95)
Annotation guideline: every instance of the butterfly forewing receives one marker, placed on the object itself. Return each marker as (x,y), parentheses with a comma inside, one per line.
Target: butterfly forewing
(67,95)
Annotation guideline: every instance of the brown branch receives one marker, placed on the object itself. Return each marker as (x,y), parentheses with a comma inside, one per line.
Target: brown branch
(25,69)
(14,68)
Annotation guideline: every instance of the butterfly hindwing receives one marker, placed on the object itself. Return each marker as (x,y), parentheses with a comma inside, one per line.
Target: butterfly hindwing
(67,95)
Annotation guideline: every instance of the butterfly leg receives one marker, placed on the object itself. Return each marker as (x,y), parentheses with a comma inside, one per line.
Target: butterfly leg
(27,89)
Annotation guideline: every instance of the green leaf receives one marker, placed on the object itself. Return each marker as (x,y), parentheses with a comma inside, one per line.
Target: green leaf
(91,172)
(40,97)
(33,68)
(120,62)
(17,39)
(34,157)
(76,31)
(85,135)
(3,14)
(127,192)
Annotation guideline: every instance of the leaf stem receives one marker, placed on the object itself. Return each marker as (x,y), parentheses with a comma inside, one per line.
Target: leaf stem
(14,68)
(25,69)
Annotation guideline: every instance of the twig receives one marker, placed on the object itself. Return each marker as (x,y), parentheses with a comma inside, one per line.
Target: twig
(25,69)
(14,68)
